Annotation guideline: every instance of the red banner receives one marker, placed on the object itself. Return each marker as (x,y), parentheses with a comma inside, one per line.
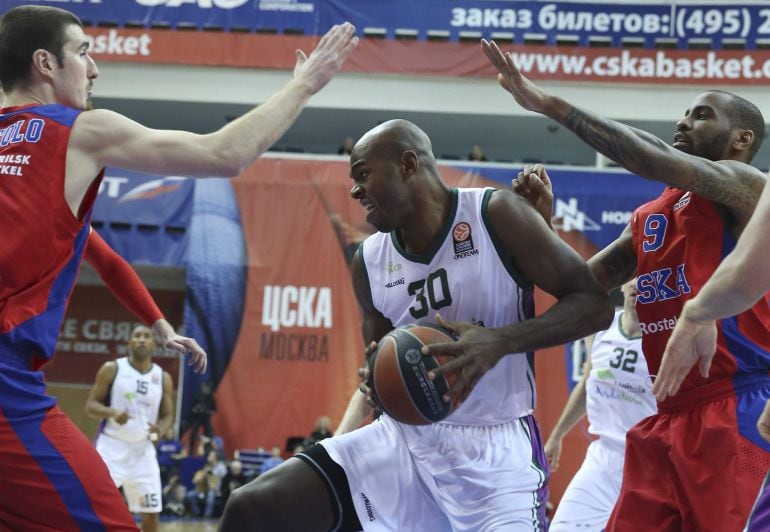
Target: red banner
(407,57)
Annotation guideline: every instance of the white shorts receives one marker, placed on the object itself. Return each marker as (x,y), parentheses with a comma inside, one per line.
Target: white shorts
(134,467)
(591,495)
(445,477)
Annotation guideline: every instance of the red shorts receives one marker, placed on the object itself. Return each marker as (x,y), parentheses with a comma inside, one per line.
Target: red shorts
(51,477)
(698,464)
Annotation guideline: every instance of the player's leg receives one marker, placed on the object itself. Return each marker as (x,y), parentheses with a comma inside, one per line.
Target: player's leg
(486,478)
(46,462)
(592,493)
(647,499)
(142,486)
(722,442)
(292,496)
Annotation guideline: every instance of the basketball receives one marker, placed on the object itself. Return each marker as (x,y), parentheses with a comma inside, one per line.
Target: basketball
(399,375)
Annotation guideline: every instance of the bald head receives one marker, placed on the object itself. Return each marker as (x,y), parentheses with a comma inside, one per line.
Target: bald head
(394,137)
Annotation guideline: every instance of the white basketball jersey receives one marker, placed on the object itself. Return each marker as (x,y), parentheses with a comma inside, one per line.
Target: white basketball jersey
(140,395)
(466,277)
(619,388)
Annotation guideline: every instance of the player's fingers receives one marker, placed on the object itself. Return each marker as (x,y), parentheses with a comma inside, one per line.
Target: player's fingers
(301,58)
(450,349)
(456,327)
(705,365)
(370,349)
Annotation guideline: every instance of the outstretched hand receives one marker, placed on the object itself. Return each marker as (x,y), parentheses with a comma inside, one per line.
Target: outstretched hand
(534,185)
(327,57)
(183,345)
(475,352)
(691,342)
(526,93)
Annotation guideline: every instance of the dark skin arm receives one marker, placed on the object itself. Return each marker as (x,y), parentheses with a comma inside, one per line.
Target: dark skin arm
(166,410)
(731,183)
(96,404)
(373,327)
(582,306)
(612,266)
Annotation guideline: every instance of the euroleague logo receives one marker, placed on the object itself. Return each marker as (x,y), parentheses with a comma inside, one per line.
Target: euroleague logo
(463,241)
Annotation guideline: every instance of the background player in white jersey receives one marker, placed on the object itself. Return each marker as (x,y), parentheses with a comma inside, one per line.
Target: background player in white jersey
(134,397)
(483,467)
(616,393)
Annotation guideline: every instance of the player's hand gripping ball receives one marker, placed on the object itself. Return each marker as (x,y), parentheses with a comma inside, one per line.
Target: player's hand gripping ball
(399,375)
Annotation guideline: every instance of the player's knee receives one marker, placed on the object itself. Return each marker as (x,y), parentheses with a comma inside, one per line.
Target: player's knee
(250,506)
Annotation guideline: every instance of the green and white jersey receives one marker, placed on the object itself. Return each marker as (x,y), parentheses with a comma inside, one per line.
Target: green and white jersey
(139,394)
(619,388)
(466,276)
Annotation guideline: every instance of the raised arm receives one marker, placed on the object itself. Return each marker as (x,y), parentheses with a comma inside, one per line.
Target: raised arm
(731,183)
(103,138)
(739,282)
(127,287)
(582,306)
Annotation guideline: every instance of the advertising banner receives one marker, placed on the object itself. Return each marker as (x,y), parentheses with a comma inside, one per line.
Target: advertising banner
(250,50)
(144,218)
(445,19)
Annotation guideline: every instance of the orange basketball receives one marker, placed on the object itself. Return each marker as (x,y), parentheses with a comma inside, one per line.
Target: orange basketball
(399,375)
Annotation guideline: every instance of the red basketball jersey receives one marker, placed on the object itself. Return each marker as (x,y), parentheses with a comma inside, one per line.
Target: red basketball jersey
(42,241)
(680,239)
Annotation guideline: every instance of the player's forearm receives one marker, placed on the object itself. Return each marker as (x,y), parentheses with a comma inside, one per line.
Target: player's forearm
(165,424)
(246,138)
(574,316)
(97,410)
(574,411)
(636,150)
(355,414)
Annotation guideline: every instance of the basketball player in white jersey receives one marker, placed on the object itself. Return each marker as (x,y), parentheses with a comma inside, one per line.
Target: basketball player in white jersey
(616,393)
(133,396)
(453,251)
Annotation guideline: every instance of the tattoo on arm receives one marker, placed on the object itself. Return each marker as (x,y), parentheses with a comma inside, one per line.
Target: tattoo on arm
(619,142)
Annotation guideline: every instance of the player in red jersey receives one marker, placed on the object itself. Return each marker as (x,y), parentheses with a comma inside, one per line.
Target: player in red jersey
(741,280)
(678,460)
(52,156)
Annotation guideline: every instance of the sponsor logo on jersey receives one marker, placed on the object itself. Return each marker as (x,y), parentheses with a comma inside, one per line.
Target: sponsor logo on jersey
(662,285)
(605,374)
(392,284)
(155,378)
(653,327)
(463,241)
(683,201)
(368,506)
(392,268)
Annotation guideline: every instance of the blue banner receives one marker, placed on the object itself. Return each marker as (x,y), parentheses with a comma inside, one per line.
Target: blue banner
(520,21)
(145,218)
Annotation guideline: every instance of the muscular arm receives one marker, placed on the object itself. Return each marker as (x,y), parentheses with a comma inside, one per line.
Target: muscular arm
(582,306)
(616,263)
(166,411)
(96,404)
(373,327)
(102,138)
(731,183)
